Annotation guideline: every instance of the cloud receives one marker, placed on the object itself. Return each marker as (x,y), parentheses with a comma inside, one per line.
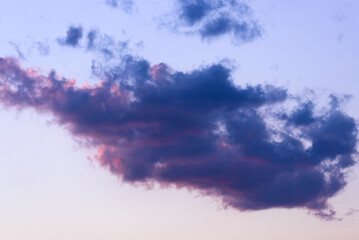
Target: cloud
(42,47)
(73,37)
(198,130)
(102,45)
(193,12)
(91,37)
(20,53)
(352,211)
(105,45)
(214,18)
(303,115)
(127,5)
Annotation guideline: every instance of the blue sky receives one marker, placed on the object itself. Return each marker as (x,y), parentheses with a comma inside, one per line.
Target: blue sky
(53,186)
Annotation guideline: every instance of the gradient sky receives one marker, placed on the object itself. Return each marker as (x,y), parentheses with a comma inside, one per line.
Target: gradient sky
(51,185)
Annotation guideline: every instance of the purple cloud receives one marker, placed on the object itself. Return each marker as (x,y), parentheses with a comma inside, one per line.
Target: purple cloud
(198,130)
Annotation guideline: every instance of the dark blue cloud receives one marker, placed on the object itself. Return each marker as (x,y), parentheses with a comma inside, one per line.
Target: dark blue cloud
(214,18)
(333,136)
(194,11)
(303,115)
(216,27)
(199,130)
(73,36)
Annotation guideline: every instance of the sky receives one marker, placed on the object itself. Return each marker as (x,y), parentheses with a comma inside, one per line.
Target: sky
(181,119)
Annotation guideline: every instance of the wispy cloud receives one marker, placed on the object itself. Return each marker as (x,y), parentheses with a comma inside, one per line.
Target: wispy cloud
(352,211)
(20,53)
(127,5)
(105,45)
(42,47)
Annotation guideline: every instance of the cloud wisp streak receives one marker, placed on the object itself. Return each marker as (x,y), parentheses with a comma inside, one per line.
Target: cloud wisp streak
(198,130)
